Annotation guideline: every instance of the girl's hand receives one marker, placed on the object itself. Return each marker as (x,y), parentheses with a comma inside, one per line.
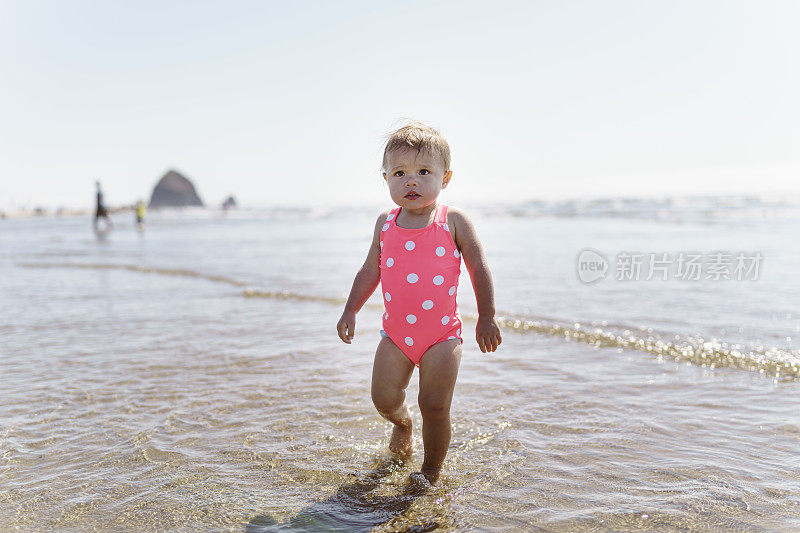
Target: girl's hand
(346,328)
(487,334)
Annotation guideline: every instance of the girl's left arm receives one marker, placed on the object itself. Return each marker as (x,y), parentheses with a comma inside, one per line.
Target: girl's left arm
(487,332)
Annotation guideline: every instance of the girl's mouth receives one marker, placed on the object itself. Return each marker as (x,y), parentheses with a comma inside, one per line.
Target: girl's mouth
(413,196)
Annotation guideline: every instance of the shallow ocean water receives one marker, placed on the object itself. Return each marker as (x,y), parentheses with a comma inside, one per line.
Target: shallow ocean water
(191,378)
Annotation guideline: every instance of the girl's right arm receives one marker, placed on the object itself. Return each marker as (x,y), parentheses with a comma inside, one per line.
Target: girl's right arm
(367,280)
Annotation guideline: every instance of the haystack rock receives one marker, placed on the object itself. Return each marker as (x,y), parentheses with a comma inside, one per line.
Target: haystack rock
(174,190)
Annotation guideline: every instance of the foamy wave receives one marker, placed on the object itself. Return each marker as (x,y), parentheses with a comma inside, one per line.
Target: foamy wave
(711,353)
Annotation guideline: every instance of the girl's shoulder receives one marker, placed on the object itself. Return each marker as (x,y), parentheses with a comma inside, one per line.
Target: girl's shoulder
(381,220)
(381,223)
(456,215)
(385,214)
(459,224)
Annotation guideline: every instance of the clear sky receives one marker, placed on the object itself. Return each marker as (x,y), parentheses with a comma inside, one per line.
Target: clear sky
(288,102)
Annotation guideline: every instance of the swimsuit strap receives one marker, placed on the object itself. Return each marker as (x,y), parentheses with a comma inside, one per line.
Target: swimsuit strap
(439,217)
(441,214)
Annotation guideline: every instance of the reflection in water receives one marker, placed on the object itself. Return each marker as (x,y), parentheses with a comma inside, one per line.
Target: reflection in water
(101,232)
(352,507)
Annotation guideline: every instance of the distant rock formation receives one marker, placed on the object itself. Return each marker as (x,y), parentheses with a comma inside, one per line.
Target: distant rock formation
(174,190)
(229,202)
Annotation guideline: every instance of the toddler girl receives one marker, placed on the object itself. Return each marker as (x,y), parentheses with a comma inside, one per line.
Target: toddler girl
(416,256)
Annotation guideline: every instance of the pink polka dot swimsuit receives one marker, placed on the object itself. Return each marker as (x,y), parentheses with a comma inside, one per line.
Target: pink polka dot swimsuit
(419,281)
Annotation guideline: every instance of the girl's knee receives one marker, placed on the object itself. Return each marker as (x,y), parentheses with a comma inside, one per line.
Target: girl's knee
(434,406)
(387,401)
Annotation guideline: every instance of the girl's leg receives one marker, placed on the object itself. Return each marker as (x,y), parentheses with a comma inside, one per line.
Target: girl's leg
(437,377)
(391,373)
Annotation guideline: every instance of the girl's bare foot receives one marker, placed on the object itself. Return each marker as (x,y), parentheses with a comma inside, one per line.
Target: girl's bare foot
(417,485)
(402,441)
(431,474)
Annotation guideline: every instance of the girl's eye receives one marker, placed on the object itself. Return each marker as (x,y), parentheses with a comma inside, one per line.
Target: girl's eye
(424,171)
(399,173)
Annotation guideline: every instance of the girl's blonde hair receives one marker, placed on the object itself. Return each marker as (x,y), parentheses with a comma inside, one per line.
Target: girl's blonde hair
(418,136)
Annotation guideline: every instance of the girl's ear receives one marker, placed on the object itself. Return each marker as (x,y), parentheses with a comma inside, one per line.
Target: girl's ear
(446,179)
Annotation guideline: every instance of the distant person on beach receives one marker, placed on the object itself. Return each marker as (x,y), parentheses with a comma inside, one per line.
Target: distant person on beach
(141,213)
(100,211)
(416,257)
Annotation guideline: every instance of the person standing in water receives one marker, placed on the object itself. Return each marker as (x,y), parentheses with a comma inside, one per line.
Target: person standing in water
(416,256)
(101,211)
(141,212)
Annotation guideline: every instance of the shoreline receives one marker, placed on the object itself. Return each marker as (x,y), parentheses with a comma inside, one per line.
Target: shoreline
(40,212)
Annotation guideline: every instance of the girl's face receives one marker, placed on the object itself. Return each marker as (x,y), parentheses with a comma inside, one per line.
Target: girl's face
(415,179)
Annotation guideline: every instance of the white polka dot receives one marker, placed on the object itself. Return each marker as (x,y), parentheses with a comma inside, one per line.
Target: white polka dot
(389,262)
(455,253)
(445,227)
(438,280)
(412,278)
(440,251)
(385,227)
(409,341)
(452,290)
(410,245)
(390,217)
(445,320)
(411,319)
(387,296)
(427,304)
(381,244)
